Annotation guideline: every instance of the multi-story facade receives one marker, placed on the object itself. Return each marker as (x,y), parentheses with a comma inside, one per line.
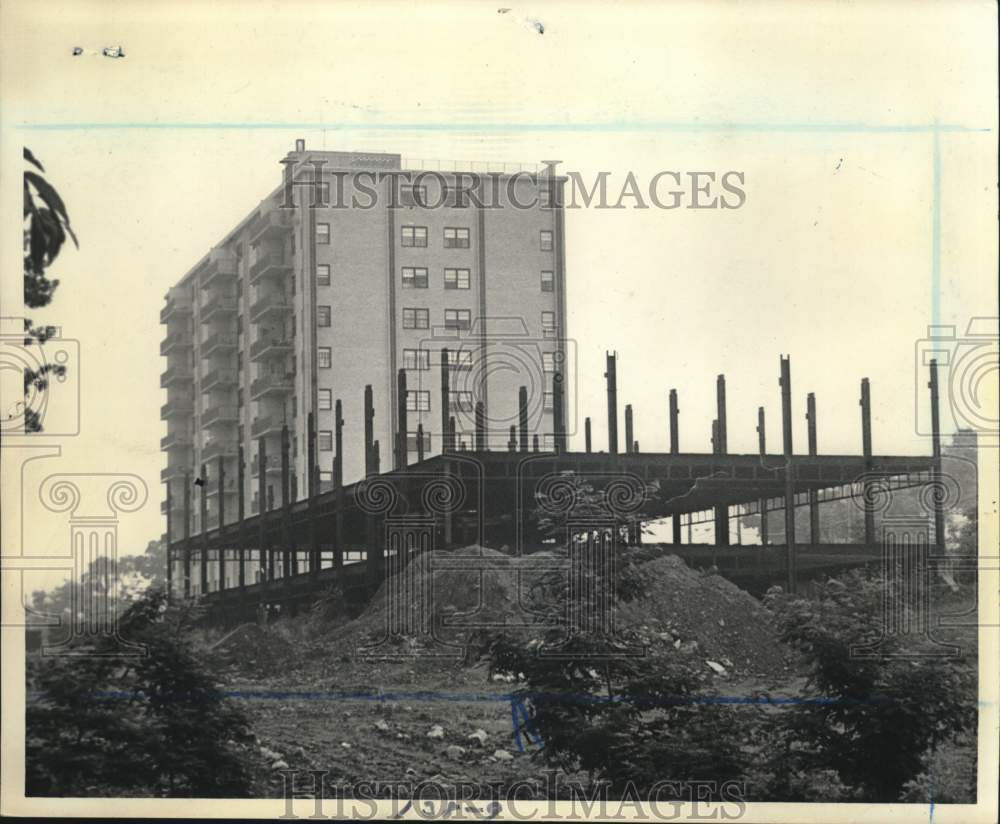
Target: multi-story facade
(324,289)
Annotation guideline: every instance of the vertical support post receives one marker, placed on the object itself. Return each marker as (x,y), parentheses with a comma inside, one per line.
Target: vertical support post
(721,448)
(674,412)
(629,433)
(762,446)
(241,511)
(401,455)
(451,433)
(262,550)
(369,431)
(786,431)
(611,376)
(187,534)
(338,496)
(480,427)
(586,435)
(866,449)
(420,442)
(222,521)
(203,497)
(512,440)
(376,457)
(534,442)
(814,537)
(312,484)
(937,497)
(221,469)
(286,560)
(720,406)
(447,442)
(558,420)
(522,417)
(170,554)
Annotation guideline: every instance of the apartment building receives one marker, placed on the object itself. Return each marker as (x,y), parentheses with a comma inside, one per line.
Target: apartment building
(355,266)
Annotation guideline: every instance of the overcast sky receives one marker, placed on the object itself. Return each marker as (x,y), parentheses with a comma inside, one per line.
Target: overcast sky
(826,109)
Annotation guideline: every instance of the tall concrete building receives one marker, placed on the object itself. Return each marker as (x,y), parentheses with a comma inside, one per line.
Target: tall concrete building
(354,267)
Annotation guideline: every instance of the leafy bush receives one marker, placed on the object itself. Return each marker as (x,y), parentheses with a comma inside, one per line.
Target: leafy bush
(871,720)
(149,725)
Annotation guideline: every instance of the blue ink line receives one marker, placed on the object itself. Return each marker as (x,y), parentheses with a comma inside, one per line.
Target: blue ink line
(612,126)
(680,700)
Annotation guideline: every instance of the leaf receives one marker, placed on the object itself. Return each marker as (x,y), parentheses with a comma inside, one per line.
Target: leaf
(52,200)
(32,159)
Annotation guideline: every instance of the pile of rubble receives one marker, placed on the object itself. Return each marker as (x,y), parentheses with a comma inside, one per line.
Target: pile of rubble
(453,600)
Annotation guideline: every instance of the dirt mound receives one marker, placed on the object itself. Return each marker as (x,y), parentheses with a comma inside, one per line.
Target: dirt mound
(705,614)
(446,602)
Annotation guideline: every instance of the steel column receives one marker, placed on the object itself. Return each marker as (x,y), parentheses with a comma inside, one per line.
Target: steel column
(611,376)
(786,431)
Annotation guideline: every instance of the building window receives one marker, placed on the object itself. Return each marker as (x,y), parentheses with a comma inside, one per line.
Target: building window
(323,234)
(460,359)
(457,319)
(455,238)
(411,442)
(548,282)
(414,236)
(418,359)
(410,195)
(548,362)
(322,274)
(323,357)
(415,319)
(548,324)
(322,315)
(460,401)
(548,405)
(414,277)
(456,278)
(325,440)
(418,400)
(325,400)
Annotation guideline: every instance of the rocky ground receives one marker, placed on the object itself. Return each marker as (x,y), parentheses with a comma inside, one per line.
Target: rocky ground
(321,699)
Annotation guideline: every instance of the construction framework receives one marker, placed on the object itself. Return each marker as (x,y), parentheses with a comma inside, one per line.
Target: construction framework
(343,536)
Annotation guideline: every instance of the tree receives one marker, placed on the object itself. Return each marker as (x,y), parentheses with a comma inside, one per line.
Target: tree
(871,720)
(149,725)
(46,225)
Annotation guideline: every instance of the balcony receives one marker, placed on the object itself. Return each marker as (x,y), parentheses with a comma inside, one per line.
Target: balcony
(273,222)
(216,415)
(175,308)
(183,439)
(272,384)
(175,341)
(269,264)
(264,426)
(219,378)
(218,342)
(220,269)
(216,447)
(174,472)
(178,406)
(269,347)
(273,464)
(176,375)
(275,302)
(231,488)
(178,506)
(218,305)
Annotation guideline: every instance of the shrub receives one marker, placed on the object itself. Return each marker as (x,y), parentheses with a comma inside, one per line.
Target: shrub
(150,725)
